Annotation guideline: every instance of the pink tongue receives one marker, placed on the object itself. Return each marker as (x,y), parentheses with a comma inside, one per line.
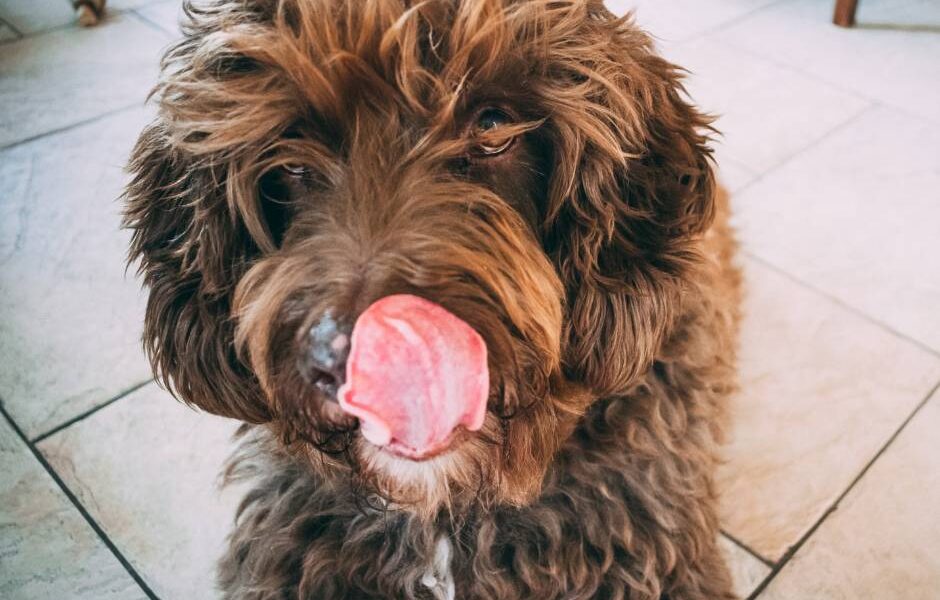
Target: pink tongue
(415,373)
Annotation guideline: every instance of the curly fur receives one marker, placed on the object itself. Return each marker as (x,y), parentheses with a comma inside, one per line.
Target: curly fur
(588,257)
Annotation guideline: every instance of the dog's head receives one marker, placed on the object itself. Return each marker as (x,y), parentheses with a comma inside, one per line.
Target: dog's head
(530,166)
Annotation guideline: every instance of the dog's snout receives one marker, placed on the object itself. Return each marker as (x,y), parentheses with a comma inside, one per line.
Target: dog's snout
(326,348)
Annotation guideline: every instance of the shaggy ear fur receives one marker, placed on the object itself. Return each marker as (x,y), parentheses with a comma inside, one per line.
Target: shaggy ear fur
(192,251)
(625,217)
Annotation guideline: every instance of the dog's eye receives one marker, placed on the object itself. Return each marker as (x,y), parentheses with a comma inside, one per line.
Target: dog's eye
(492,141)
(295,170)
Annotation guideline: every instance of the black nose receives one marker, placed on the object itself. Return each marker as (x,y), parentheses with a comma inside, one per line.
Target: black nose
(323,361)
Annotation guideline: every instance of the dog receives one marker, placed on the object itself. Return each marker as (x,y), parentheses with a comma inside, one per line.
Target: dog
(531,167)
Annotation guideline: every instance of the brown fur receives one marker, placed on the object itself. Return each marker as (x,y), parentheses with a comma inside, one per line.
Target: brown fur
(585,255)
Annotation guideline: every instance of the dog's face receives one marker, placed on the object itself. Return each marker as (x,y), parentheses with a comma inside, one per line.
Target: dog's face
(529,166)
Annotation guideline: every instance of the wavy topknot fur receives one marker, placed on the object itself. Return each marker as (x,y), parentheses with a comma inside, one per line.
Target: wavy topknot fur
(532,166)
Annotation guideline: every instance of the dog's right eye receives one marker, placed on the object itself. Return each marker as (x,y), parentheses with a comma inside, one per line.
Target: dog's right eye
(296,170)
(493,132)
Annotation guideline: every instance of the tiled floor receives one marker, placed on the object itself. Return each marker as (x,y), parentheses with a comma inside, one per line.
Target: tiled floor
(831,150)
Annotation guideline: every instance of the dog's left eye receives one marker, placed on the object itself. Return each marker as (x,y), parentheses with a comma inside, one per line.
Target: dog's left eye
(487,130)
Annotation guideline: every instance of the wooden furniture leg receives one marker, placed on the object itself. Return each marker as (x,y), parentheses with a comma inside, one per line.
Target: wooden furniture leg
(845,13)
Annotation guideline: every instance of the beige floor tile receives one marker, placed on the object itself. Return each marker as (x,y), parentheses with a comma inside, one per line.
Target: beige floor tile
(733,176)
(6,33)
(858,216)
(883,540)
(895,64)
(747,571)
(766,113)
(30,16)
(166,15)
(147,469)
(915,16)
(677,20)
(821,391)
(134,4)
(70,319)
(47,549)
(64,77)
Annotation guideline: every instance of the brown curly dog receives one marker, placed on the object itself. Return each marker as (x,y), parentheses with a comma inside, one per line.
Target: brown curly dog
(530,166)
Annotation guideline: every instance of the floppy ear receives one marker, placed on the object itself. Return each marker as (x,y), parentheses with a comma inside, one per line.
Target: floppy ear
(632,190)
(192,251)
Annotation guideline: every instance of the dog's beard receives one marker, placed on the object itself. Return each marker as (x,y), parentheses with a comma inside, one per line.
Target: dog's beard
(476,470)
(448,483)
(504,463)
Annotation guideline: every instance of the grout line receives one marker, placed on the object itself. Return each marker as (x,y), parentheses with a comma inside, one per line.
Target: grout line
(173,35)
(834,85)
(733,21)
(785,66)
(713,35)
(109,13)
(869,105)
(82,416)
(842,304)
(661,43)
(71,126)
(28,35)
(789,554)
(837,128)
(746,548)
(896,27)
(148,22)
(737,163)
(773,60)
(79,507)
(19,34)
(761,175)
(907,112)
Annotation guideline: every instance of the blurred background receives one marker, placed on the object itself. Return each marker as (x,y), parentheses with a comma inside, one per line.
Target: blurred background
(831,152)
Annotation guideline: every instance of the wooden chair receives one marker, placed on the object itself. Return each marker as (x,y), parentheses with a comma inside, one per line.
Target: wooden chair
(845,13)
